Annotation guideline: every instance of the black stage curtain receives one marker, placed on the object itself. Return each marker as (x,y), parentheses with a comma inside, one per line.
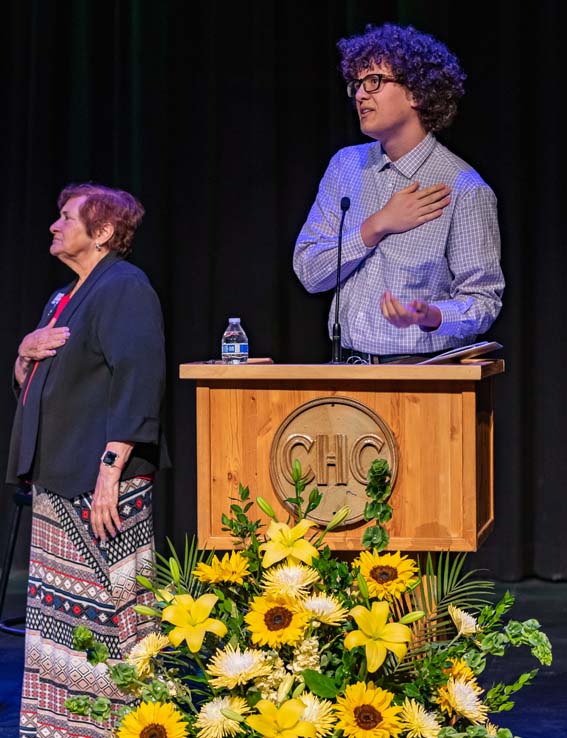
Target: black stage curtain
(221,118)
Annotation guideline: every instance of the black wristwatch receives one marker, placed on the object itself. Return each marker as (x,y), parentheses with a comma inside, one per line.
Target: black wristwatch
(109,458)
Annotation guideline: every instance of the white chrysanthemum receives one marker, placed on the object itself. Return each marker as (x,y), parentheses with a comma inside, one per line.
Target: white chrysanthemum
(464,623)
(491,729)
(231,667)
(306,656)
(213,724)
(293,580)
(325,609)
(319,713)
(143,652)
(462,697)
(418,722)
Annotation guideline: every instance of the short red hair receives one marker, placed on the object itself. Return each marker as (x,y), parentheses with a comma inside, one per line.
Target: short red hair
(106,205)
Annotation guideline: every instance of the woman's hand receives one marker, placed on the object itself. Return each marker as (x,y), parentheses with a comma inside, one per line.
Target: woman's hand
(38,345)
(105,519)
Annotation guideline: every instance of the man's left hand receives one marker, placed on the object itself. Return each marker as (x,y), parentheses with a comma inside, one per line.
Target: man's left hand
(417,312)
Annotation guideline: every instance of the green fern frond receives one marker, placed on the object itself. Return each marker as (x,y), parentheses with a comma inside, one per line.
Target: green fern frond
(163,574)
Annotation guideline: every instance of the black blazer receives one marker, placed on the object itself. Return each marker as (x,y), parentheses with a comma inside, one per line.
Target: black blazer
(105,384)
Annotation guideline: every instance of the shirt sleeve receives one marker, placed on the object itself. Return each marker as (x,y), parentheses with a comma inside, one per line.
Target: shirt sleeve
(130,334)
(473,257)
(315,255)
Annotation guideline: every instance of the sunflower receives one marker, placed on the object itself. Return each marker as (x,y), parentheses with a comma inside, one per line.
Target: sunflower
(281,722)
(367,712)
(377,635)
(143,652)
(274,620)
(319,713)
(192,621)
(288,543)
(153,720)
(387,575)
(289,579)
(232,667)
(464,623)
(211,721)
(231,568)
(460,697)
(325,609)
(418,722)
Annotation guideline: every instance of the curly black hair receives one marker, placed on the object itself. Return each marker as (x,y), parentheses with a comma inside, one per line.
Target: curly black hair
(418,61)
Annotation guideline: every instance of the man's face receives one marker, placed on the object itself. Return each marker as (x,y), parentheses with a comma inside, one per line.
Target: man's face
(388,112)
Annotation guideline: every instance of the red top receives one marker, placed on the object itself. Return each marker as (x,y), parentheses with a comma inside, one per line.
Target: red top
(61,305)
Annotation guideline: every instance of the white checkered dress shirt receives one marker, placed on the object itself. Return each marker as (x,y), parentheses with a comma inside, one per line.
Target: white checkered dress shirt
(452,262)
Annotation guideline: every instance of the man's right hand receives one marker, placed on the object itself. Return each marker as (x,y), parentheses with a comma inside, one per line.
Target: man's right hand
(404,211)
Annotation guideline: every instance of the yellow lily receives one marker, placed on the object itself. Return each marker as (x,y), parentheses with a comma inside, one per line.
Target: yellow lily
(282,722)
(377,635)
(288,543)
(192,620)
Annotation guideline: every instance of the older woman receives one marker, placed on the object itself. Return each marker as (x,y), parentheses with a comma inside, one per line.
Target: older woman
(87,436)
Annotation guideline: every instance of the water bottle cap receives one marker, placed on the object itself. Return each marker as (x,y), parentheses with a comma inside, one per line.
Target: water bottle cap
(234,320)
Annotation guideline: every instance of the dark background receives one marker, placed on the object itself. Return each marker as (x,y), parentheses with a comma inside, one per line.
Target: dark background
(221,118)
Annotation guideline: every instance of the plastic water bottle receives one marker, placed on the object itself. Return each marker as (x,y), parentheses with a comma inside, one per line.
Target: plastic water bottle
(234,347)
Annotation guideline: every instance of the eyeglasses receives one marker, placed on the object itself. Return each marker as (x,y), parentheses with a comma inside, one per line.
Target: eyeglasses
(371,83)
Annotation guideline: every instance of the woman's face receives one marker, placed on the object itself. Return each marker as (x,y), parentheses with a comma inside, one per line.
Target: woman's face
(70,240)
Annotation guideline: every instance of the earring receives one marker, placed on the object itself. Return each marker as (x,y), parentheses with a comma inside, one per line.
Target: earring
(97,246)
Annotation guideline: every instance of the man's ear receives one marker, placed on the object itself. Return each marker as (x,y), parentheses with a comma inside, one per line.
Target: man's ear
(411,99)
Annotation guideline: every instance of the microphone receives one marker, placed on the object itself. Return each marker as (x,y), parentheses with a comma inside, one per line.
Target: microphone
(336,340)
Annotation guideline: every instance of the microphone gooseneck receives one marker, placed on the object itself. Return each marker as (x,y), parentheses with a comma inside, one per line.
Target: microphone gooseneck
(336,339)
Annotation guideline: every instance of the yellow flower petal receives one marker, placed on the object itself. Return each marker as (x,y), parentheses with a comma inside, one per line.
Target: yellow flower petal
(301,528)
(273,553)
(375,655)
(371,621)
(194,638)
(267,709)
(201,608)
(304,551)
(355,638)
(262,725)
(399,649)
(396,633)
(289,713)
(215,626)
(176,614)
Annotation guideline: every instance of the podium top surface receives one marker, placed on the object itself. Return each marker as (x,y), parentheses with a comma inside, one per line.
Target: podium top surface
(469,370)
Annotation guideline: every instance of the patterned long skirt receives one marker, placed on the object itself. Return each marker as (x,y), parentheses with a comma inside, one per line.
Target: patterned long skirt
(74,580)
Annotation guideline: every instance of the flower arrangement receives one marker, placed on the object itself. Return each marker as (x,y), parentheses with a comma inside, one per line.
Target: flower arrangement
(282,639)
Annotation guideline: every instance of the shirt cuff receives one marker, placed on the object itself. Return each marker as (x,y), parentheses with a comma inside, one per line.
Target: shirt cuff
(452,312)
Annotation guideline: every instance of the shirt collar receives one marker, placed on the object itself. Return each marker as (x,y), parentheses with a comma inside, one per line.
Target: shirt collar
(410,162)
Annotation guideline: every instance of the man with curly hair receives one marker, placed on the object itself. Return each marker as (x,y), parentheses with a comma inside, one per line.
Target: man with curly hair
(421,245)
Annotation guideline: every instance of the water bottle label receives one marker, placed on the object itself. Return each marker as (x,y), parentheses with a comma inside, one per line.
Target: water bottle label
(235,348)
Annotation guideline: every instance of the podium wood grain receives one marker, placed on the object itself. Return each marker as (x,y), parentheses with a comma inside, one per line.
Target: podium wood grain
(441,417)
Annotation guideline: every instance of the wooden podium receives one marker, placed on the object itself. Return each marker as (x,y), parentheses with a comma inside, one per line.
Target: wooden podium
(439,418)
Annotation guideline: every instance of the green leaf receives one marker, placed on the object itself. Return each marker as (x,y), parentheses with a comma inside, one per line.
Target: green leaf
(321,685)
(123,675)
(98,653)
(83,638)
(79,705)
(100,709)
